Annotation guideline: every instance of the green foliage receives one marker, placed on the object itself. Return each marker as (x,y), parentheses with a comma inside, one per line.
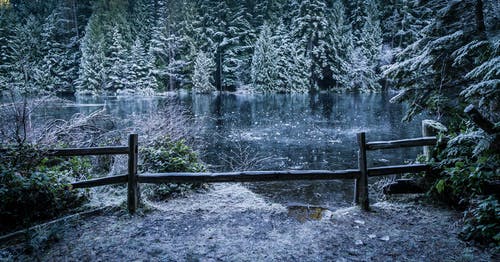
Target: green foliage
(264,70)
(466,178)
(33,188)
(165,155)
(448,60)
(482,221)
(468,164)
(450,63)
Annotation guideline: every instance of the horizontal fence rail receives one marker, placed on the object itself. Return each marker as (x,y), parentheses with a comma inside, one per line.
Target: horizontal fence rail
(400,169)
(248,176)
(93,151)
(360,175)
(90,151)
(413,142)
(102,181)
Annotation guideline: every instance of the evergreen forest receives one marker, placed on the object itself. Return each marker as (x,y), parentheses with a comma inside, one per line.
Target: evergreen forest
(110,46)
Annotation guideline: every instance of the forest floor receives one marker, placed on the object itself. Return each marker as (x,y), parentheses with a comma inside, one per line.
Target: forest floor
(231,223)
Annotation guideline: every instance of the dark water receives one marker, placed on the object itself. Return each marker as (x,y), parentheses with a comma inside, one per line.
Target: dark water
(300,131)
(281,131)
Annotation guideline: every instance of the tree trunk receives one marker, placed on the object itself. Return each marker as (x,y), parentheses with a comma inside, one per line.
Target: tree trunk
(218,71)
(479,13)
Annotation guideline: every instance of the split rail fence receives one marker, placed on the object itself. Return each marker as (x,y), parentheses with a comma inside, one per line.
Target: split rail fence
(359,175)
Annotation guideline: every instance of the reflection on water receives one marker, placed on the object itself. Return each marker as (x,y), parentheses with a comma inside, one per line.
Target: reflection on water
(279,131)
(300,131)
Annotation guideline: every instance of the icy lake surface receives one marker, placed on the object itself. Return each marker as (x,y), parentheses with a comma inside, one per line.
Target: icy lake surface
(283,131)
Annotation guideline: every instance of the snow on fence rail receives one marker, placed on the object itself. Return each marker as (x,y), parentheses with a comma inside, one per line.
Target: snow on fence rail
(359,175)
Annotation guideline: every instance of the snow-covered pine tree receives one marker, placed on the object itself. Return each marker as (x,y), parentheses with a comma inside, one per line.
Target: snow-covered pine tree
(367,38)
(139,65)
(341,45)
(107,23)
(203,73)
(293,64)
(238,48)
(60,57)
(268,11)
(453,61)
(111,15)
(92,74)
(23,57)
(214,25)
(403,22)
(264,71)
(143,17)
(7,20)
(183,65)
(311,28)
(484,89)
(362,75)
(117,71)
(295,76)
(170,46)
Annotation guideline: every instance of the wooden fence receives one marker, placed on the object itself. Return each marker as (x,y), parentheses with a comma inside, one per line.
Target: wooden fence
(130,178)
(360,175)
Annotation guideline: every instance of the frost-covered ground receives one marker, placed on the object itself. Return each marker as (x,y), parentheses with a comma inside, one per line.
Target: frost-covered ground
(230,223)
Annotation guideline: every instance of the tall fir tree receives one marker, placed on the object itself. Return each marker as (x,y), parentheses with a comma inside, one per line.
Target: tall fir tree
(402,21)
(311,27)
(22,68)
(264,71)
(140,69)
(117,71)
(60,61)
(367,44)
(293,62)
(7,22)
(341,46)
(237,48)
(170,46)
(143,17)
(203,73)
(92,71)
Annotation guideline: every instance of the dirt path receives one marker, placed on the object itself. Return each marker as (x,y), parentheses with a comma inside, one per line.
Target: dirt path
(230,223)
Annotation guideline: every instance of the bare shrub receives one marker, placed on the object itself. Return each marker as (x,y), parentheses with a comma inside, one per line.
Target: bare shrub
(16,114)
(19,126)
(80,130)
(377,188)
(171,120)
(242,156)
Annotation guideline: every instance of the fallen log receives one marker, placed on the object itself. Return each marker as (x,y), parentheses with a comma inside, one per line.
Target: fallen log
(491,188)
(481,121)
(404,186)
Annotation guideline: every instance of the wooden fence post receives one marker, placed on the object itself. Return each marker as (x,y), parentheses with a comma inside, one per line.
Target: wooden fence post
(427,130)
(431,128)
(361,183)
(133,188)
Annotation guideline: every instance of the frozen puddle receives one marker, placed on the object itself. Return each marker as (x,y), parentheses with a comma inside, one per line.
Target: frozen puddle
(305,213)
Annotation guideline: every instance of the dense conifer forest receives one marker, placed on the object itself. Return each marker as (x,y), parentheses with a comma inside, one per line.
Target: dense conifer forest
(109,46)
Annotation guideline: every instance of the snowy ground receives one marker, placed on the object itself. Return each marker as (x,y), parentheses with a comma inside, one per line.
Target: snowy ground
(230,223)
